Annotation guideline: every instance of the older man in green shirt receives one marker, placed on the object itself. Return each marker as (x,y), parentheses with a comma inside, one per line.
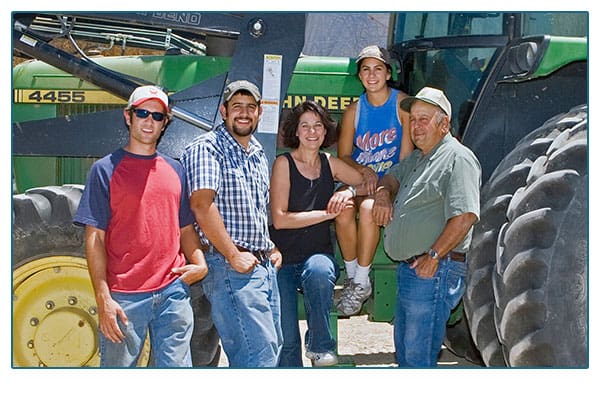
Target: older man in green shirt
(428,204)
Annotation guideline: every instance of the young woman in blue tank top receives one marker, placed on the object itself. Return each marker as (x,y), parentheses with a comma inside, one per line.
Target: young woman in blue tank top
(303,205)
(371,141)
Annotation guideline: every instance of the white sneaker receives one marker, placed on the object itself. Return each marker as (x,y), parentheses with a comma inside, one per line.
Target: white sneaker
(322,359)
(346,286)
(352,299)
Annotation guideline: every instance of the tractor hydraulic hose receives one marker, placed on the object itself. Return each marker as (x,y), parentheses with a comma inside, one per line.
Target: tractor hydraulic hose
(28,43)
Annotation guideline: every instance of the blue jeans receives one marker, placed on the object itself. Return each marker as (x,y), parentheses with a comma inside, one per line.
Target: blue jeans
(245,311)
(316,278)
(422,310)
(168,317)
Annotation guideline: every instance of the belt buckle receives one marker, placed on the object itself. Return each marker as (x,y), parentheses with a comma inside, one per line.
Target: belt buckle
(262,255)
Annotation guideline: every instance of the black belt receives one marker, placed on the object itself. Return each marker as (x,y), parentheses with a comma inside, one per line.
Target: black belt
(453,255)
(261,255)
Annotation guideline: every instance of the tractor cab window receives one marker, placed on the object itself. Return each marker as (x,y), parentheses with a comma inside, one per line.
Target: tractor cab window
(557,24)
(449,51)
(454,50)
(418,25)
(455,71)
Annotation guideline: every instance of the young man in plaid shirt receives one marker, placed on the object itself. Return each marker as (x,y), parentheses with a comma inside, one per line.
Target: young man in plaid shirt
(228,181)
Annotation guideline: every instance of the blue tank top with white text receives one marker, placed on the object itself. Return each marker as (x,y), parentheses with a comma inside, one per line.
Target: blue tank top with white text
(378,134)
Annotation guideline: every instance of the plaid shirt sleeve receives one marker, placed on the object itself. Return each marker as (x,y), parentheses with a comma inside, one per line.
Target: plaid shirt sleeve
(202,166)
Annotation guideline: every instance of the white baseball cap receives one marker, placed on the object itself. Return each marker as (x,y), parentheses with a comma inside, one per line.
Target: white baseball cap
(145,93)
(429,95)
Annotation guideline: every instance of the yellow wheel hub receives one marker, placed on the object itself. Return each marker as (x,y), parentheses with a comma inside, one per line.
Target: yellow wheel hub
(55,322)
(54,314)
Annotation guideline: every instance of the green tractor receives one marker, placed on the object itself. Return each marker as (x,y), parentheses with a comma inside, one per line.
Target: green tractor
(518,85)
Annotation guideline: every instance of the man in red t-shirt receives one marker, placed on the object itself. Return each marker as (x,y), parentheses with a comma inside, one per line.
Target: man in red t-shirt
(141,246)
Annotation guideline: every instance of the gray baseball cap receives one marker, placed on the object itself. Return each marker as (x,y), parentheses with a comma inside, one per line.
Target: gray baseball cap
(236,86)
(376,52)
(429,95)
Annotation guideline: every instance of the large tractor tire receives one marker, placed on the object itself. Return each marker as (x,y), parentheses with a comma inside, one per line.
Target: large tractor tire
(458,337)
(54,311)
(55,322)
(540,280)
(496,194)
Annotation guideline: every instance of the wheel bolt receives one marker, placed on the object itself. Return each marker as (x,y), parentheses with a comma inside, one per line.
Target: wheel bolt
(34,321)
(72,300)
(49,305)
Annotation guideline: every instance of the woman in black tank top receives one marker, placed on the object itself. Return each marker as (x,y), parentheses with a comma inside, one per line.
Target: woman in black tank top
(303,205)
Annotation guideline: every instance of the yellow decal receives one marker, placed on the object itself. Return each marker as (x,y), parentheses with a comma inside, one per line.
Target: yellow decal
(51,96)
(56,96)
(331,103)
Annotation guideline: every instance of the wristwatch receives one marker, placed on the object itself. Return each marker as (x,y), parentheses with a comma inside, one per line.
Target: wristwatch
(433,254)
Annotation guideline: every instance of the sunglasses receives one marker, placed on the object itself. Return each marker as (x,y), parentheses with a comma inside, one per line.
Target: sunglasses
(143,114)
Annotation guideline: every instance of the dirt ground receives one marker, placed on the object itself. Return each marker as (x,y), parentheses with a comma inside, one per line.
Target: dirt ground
(364,343)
